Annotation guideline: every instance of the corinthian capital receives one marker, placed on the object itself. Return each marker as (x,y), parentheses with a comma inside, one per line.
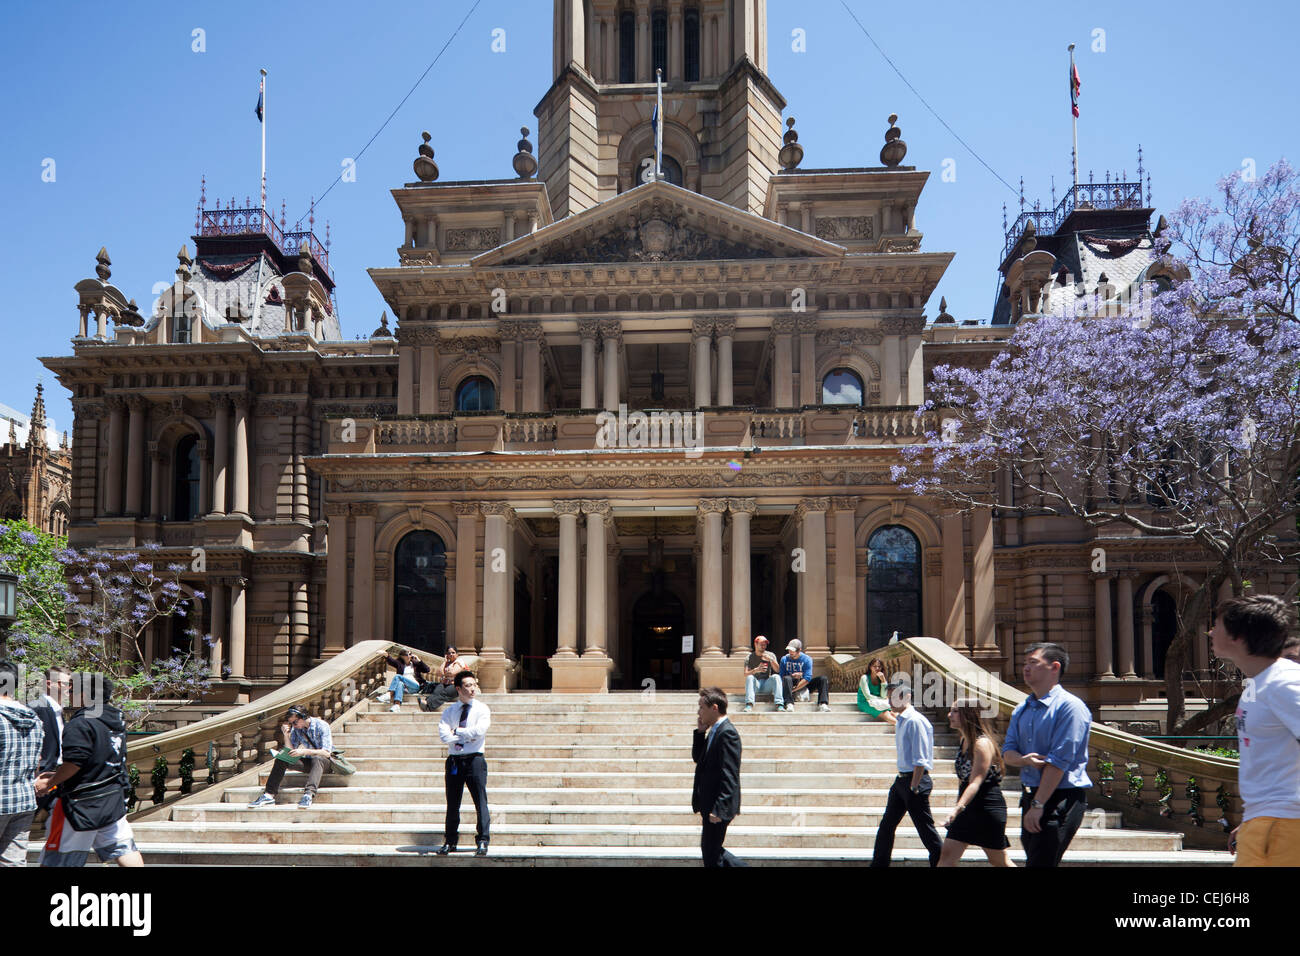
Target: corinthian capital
(465,507)
(712,506)
(747,506)
(570,507)
(702,327)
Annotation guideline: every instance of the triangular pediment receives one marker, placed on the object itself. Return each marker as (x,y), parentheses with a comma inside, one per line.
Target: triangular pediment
(659,222)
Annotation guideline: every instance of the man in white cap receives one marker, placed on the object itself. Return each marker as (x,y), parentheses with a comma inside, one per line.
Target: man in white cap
(797,678)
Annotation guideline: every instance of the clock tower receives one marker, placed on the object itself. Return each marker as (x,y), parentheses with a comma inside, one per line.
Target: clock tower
(722,115)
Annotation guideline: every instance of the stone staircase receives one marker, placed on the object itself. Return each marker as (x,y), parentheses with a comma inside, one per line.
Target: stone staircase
(601,780)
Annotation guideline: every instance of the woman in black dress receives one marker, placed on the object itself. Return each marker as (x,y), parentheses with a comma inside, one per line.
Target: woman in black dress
(980,816)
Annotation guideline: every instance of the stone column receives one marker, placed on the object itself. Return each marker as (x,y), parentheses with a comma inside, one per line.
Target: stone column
(742,510)
(954,582)
(135,456)
(299,628)
(238,626)
(509,372)
(702,331)
(1103,647)
(532,383)
(464,636)
(301,485)
(812,514)
(726,330)
(336,580)
(241,456)
(599,513)
(588,330)
(155,481)
(676,69)
(783,362)
(220,604)
(809,387)
(429,378)
(644,71)
(981,531)
(405,379)
(220,453)
(567,598)
(116,441)
(205,478)
(611,334)
(495,666)
(845,637)
(363,572)
(1148,657)
(711,511)
(1124,619)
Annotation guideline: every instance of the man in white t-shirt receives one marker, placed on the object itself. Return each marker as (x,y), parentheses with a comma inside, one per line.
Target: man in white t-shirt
(1250,632)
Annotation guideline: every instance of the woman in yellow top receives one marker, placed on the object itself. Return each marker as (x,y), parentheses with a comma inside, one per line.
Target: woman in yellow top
(873,700)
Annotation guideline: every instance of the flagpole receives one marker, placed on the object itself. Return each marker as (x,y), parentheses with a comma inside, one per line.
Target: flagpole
(1074,121)
(659,127)
(263,125)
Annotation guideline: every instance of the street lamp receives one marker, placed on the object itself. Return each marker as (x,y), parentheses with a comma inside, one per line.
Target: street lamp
(8,605)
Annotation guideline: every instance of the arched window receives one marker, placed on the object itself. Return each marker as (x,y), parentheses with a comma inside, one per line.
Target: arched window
(672,170)
(627,47)
(893,585)
(659,42)
(842,386)
(185,480)
(691,44)
(476,394)
(420,592)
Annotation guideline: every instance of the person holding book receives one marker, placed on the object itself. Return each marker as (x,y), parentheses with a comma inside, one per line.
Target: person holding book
(309,747)
(872,697)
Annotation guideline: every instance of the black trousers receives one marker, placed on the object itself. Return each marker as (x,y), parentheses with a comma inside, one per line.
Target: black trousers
(435,695)
(917,806)
(472,770)
(1061,819)
(818,685)
(711,850)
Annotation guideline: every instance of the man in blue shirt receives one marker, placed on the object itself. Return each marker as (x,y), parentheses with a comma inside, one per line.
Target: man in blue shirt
(1048,740)
(797,675)
(910,792)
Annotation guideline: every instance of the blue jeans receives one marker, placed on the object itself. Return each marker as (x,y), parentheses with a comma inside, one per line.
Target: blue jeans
(761,685)
(401,685)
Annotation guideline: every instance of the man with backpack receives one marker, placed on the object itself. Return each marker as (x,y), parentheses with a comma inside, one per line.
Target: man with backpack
(90,813)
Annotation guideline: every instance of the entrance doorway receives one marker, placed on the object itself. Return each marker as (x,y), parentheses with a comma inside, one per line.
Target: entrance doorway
(658,623)
(1164,628)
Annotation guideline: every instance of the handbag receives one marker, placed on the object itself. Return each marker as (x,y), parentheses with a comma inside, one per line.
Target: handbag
(96,805)
(342,764)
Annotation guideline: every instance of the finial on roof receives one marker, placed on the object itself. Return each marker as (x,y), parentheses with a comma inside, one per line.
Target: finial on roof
(103,262)
(13,434)
(183,263)
(525,162)
(327,234)
(38,406)
(1161,226)
(1148,189)
(425,168)
(1022,193)
(203,190)
(64,444)
(1053,192)
(1004,218)
(131,315)
(383,331)
(892,153)
(791,154)
(283,221)
(943,317)
(311,215)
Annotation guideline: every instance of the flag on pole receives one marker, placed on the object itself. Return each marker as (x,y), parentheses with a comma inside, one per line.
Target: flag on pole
(658,126)
(1074,87)
(260,89)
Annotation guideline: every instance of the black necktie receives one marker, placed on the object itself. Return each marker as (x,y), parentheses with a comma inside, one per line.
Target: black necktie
(464,713)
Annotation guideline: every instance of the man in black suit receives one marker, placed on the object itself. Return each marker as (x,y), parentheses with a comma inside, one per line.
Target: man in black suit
(716,794)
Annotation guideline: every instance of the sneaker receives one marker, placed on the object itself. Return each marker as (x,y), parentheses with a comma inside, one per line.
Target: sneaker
(305,802)
(749,708)
(824,708)
(780,708)
(384,697)
(395,709)
(265,800)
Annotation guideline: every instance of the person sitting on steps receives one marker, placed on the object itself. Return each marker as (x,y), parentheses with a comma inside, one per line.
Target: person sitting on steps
(443,689)
(797,678)
(310,740)
(411,674)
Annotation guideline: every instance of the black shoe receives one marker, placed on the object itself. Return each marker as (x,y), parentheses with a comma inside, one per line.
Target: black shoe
(480,847)
(446,848)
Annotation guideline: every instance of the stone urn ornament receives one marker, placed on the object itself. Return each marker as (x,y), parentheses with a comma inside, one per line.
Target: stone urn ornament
(892,153)
(425,168)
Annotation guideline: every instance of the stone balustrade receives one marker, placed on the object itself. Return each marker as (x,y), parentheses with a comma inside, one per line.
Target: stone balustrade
(882,424)
(191,758)
(1153,785)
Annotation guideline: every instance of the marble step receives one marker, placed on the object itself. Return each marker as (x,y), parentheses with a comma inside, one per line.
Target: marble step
(581,751)
(432,776)
(277,828)
(532,814)
(629,736)
(172,853)
(863,764)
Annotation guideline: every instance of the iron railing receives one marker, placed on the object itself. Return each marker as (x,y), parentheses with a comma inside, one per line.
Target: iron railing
(1106,195)
(243,222)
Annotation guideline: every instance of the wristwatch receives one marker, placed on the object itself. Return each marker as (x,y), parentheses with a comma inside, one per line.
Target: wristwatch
(1037,804)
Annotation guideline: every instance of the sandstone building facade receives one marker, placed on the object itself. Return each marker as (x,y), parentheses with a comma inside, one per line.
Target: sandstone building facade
(616,408)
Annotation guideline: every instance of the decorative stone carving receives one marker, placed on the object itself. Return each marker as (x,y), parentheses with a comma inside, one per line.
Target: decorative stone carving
(501,508)
(837,228)
(470,343)
(702,327)
(466,240)
(712,506)
(465,507)
(902,325)
(336,509)
(742,505)
(811,504)
(784,324)
(846,338)
(611,331)
(901,245)
(588,329)
(843,503)
(359,508)
(590,507)
(724,326)
(568,507)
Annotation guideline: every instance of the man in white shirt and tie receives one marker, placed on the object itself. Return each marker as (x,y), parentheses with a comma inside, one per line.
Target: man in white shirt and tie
(463,728)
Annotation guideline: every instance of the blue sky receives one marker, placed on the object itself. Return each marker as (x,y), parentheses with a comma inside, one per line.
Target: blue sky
(132,117)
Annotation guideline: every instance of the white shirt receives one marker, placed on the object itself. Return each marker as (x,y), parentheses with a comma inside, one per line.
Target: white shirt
(409,671)
(468,739)
(1268,730)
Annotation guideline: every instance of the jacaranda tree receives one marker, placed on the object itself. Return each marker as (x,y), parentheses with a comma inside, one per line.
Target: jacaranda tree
(1175,416)
(91,611)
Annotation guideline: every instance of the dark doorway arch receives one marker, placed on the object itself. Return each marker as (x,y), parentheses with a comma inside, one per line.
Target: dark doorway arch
(893,585)
(420,592)
(1164,628)
(185,484)
(658,623)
